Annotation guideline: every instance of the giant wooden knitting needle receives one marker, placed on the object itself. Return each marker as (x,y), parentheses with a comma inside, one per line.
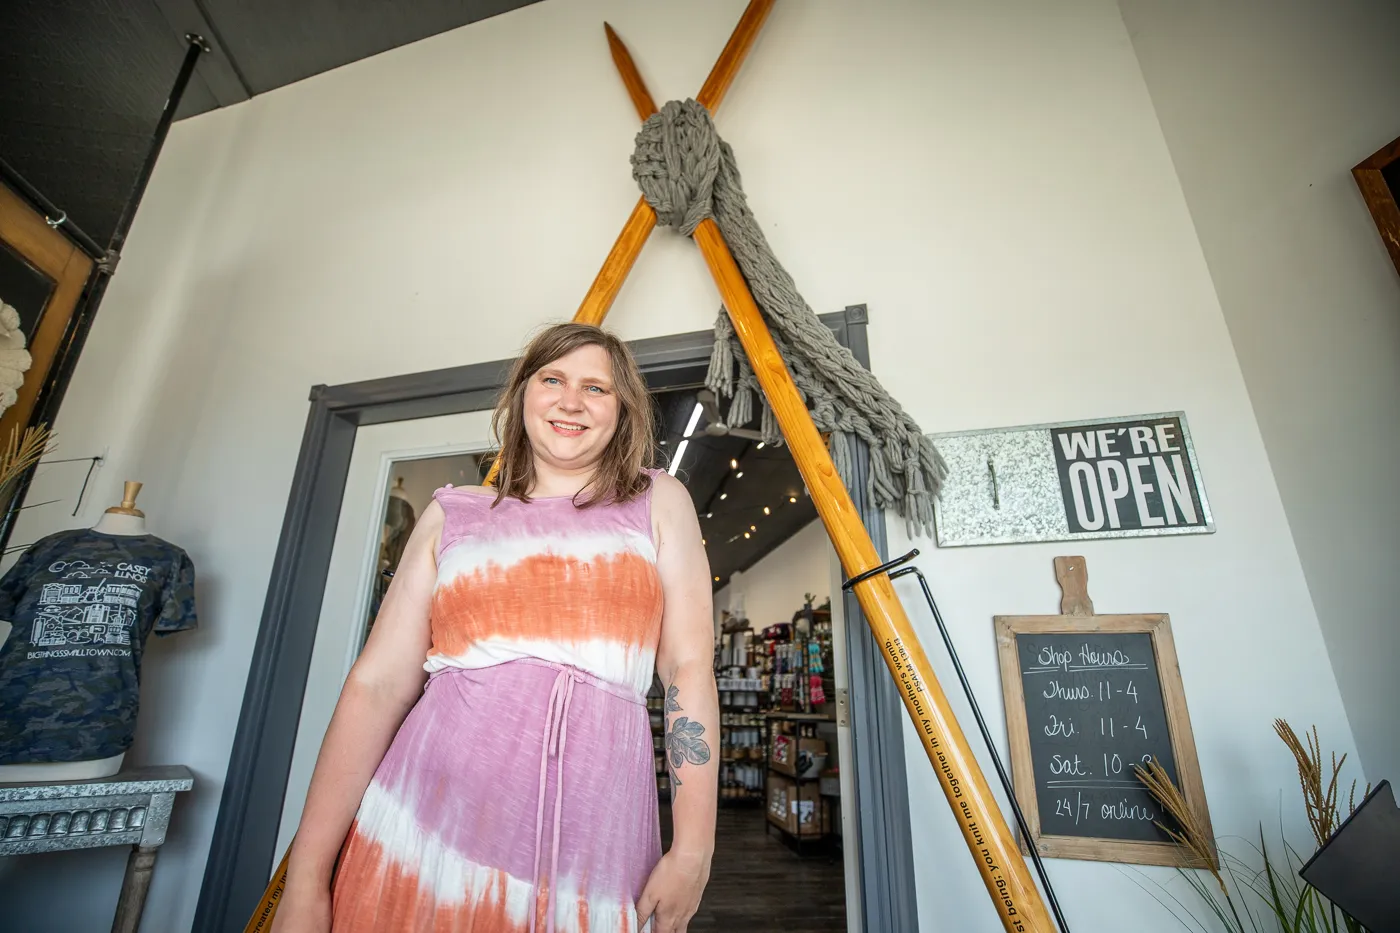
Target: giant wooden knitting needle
(643,219)
(988,837)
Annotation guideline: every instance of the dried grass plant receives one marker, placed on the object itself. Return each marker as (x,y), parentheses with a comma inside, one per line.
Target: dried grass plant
(1192,835)
(1320,800)
(20,453)
(1199,853)
(1245,899)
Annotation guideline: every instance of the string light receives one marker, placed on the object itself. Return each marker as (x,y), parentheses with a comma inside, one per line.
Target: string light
(709,514)
(767,510)
(703,541)
(746,534)
(760,445)
(739,475)
(753,528)
(716,579)
(792,498)
(725,495)
(733,464)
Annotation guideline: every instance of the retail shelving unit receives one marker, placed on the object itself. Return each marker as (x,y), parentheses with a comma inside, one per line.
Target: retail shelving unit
(743,733)
(789,785)
(800,690)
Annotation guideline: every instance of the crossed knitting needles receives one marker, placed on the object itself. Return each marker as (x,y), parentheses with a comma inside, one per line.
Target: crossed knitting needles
(992,844)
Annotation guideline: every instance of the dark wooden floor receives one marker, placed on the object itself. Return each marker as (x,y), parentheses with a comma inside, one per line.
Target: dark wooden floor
(758,884)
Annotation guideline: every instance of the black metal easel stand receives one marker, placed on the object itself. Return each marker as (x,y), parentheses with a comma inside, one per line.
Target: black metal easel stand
(1006,785)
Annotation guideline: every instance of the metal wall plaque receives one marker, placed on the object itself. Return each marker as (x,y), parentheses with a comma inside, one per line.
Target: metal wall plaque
(1125,477)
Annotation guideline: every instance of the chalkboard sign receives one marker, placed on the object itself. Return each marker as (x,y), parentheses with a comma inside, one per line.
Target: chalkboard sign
(1088,699)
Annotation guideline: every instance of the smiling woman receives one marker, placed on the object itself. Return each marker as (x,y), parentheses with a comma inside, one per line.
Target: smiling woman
(575,399)
(540,613)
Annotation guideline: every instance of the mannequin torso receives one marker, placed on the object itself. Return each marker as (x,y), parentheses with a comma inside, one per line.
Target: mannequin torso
(124,519)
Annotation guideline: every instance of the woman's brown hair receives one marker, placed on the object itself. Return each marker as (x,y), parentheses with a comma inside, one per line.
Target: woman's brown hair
(621,473)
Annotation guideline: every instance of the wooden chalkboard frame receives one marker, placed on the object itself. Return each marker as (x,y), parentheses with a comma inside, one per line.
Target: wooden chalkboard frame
(1078,618)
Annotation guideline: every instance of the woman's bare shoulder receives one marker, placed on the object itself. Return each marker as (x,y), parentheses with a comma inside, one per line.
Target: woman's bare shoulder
(666,487)
(670,500)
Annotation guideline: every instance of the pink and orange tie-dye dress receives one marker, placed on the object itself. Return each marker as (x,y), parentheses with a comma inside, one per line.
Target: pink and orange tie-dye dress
(520,793)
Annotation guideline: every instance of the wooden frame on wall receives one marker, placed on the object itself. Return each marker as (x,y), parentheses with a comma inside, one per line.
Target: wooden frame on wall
(1178,722)
(25,232)
(1378,177)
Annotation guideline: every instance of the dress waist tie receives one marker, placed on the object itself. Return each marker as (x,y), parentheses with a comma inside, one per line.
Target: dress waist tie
(556,737)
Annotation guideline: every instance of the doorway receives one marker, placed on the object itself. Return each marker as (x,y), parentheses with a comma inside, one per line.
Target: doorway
(394,469)
(780,859)
(784,810)
(248,838)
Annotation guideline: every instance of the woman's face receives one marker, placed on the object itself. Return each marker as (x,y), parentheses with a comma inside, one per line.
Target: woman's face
(570,409)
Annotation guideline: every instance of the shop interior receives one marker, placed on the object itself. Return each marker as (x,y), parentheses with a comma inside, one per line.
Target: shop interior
(778,851)
(262,266)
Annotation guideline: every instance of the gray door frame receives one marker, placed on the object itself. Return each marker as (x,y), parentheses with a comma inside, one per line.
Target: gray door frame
(242,853)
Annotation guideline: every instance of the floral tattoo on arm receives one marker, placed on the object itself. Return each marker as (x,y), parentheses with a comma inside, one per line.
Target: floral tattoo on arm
(684,740)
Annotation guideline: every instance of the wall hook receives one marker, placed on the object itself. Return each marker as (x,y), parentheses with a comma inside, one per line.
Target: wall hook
(996,493)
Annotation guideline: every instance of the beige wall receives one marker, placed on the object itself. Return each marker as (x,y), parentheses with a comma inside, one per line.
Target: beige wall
(1266,106)
(991,179)
(773,588)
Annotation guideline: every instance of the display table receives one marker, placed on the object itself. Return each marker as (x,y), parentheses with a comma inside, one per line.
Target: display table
(129,808)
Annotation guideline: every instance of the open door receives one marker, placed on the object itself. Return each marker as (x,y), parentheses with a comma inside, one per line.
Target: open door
(428,453)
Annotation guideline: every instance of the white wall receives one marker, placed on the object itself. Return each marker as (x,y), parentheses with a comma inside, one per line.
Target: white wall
(1266,106)
(773,588)
(991,180)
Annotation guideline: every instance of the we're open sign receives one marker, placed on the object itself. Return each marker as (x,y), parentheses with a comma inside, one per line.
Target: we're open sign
(1129,475)
(1108,478)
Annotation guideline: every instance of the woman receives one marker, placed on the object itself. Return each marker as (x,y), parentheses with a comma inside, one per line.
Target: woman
(516,791)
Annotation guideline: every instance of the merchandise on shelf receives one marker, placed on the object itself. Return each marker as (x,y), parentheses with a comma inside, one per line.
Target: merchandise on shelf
(797,657)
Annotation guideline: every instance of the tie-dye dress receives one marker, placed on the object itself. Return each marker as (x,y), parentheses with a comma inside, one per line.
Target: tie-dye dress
(520,793)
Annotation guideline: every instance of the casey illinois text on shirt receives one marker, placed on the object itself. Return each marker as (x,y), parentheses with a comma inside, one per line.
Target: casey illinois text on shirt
(87,619)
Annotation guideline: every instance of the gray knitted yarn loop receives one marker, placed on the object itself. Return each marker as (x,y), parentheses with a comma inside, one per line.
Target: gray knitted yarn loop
(687,174)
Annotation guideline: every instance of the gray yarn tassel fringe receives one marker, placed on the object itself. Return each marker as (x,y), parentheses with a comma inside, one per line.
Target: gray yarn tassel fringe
(687,173)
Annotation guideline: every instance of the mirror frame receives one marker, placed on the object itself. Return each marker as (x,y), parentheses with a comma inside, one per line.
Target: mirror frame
(27,233)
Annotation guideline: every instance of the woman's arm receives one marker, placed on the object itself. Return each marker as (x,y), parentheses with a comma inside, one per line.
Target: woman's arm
(685,664)
(385,682)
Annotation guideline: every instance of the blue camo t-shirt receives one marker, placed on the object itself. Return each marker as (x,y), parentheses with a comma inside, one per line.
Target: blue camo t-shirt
(82,604)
